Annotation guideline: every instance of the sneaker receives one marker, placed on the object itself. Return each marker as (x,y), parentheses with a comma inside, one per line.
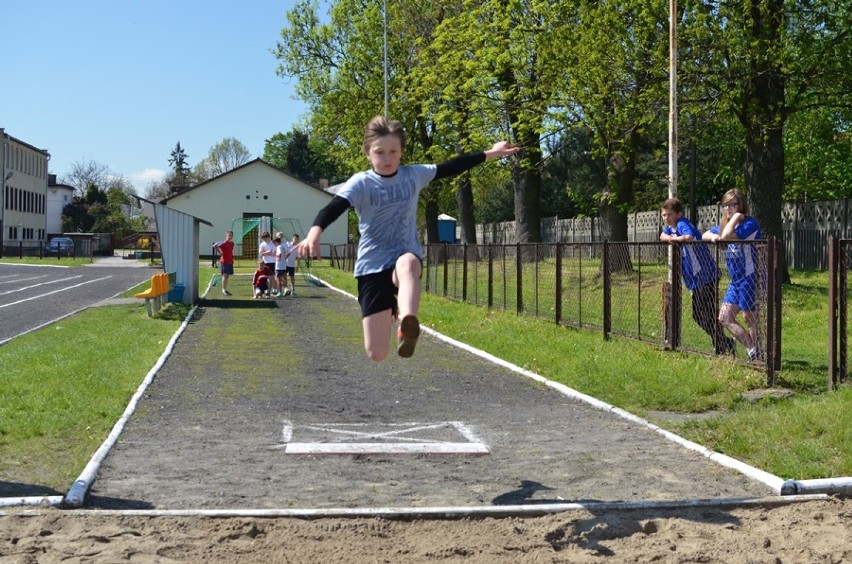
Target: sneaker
(274,292)
(286,291)
(407,334)
(292,292)
(226,293)
(257,293)
(752,354)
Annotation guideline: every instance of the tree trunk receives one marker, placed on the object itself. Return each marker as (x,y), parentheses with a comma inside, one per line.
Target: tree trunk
(528,194)
(763,114)
(622,173)
(464,198)
(431,212)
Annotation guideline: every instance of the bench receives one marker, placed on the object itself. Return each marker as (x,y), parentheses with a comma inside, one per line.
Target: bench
(161,284)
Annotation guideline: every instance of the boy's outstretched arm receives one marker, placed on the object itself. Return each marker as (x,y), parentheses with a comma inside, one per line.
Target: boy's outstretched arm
(501,149)
(310,245)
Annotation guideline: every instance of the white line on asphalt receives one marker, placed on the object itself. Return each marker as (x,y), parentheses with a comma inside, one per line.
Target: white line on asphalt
(51,281)
(55,291)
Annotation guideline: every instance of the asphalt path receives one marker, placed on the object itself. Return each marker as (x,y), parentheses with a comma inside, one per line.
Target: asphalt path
(295,416)
(32,296)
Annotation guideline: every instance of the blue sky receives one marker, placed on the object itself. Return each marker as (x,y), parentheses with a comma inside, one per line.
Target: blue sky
(120,82)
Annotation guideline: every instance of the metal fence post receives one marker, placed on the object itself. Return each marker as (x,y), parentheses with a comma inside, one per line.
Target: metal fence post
(464,272)
(607,292)
(446,269)
(490,275)
(558,305)
(833,256)
(771,337)
(519,296)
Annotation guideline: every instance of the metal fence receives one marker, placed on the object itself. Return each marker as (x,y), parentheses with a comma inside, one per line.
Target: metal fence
(805,229)
(840,260)
(627,289)
(85,245)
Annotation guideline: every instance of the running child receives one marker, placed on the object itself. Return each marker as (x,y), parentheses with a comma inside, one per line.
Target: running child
(388,265)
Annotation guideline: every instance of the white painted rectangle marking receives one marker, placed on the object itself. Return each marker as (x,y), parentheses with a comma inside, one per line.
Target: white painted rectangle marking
(386,448)
(381,438)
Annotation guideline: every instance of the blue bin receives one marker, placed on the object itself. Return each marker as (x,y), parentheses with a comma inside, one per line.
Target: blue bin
(176,293)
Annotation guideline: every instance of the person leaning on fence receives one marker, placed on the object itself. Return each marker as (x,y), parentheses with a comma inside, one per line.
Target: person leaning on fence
(700,273)
(389,264)
(742,264)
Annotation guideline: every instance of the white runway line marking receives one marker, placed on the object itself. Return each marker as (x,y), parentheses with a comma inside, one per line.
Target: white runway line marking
(387,438)
(16,280)
(55,291)
(51,281)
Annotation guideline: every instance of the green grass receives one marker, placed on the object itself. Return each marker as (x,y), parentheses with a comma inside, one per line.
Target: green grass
(65,386)
(807,435)
(57,405)
(47,261)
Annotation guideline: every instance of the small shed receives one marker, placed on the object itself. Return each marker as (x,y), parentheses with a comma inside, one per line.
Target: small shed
(179,242)
(446,229)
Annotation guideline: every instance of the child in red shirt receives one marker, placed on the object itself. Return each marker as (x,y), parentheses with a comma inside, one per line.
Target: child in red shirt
(261,280)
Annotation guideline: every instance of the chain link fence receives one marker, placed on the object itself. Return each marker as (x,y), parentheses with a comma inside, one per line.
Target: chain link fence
(633,290)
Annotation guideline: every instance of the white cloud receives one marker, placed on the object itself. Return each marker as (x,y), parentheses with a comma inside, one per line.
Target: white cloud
(141,180)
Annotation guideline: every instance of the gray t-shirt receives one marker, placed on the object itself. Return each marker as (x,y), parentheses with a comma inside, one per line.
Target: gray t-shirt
(387,214)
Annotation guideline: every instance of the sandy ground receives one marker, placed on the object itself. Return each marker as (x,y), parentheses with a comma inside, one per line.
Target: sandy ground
(207,436)
(812,531)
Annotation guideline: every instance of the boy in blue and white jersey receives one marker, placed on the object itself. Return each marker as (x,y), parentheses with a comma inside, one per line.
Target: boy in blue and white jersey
(389,261)
(743,268)
(700,273)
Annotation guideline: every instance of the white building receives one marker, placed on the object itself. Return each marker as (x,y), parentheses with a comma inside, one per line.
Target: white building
(255,189)
(58,196)
(23,193)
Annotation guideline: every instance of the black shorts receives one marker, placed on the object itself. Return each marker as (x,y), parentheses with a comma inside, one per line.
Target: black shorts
(377,292)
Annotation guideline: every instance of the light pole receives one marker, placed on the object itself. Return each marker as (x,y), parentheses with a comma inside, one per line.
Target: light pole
(672,98)
(385,27)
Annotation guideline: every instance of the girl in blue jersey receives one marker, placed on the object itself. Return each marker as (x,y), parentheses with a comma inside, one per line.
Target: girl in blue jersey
(742,263)
(700,273)
(389,261)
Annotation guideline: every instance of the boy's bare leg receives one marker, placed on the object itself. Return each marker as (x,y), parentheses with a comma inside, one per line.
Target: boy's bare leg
(406,277)
(728,318)
(377,328)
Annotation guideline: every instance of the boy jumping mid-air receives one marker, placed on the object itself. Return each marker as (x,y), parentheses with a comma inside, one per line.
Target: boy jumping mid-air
(389,261)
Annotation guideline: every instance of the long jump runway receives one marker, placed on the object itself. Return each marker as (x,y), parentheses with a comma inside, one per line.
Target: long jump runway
(294,416)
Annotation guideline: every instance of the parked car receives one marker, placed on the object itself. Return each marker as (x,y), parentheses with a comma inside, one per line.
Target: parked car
(60,245)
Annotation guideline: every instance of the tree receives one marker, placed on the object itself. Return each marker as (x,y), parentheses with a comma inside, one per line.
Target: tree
(85,174)
(224,156)
(336,64)
(178,162)
(156,190)
(765,61)
(302,156)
